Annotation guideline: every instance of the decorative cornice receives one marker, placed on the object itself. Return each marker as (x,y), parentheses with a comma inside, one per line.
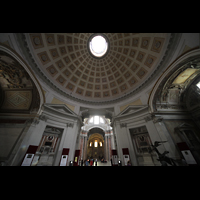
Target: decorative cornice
(173,42)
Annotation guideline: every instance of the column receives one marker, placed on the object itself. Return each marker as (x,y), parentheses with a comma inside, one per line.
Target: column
(81,147)
(118,139)
(85,149)
(109,148)
(112,141)
(106,148)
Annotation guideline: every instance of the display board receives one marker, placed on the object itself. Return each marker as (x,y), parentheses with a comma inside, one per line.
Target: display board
(186,153)
(76,158)
(126,156)
(114,158)
(64,157)
(28,158)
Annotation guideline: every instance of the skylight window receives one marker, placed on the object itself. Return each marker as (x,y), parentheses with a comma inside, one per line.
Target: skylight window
(101,120)
(98,46)
(96,119)
(91,120)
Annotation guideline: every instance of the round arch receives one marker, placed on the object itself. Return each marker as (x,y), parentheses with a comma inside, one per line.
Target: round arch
(166,82)
(14,55)
(95,144)
(96,129)
(100,133)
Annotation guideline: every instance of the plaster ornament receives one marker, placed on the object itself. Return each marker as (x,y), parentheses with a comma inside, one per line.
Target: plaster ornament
(145,42)
(157,44)
(44,58)
(50,39)
(36,40)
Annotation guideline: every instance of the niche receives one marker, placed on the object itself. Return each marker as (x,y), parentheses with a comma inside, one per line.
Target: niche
(48,146)
(142,145)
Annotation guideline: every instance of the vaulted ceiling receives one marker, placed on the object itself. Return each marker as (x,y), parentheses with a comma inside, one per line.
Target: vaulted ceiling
(65,60)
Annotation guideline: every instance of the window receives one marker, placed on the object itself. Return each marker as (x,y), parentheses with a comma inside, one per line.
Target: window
(95,143)
(101,120)
(91,120)
(100,144)
(96,119)
(198,85)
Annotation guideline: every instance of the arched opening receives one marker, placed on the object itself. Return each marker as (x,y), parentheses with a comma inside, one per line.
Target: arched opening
(174,103)
(97,139)
(95,146)
(21,100)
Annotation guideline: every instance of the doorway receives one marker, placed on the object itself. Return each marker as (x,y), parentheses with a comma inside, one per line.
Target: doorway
(95,146)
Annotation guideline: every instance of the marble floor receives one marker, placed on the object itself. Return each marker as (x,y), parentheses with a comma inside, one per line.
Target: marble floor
(99,163)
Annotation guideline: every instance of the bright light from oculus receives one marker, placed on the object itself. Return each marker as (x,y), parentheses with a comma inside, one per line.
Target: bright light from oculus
(98,46)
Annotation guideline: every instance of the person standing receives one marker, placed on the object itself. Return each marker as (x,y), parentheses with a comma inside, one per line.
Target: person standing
(91,162)
(87,162)
(129,163)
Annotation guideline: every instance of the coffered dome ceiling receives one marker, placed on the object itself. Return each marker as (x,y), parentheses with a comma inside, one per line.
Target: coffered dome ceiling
(64,58)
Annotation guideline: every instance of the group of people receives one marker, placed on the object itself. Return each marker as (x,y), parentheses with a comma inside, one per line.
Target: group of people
(90,162)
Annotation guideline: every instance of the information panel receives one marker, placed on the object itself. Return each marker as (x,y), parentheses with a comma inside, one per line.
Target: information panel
(28,159)
(64,157)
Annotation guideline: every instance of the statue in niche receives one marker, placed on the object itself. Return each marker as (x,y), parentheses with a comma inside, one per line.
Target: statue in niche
(164,160)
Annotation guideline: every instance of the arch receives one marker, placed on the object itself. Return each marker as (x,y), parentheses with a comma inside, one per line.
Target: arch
(92,127)
(94,130)
(95,144)
(101,118)
(21,63)
(165,81)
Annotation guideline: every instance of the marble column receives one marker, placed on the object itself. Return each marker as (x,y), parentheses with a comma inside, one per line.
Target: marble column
(106,148)
(81,147)
(85,149)
(112,141)
(109,148)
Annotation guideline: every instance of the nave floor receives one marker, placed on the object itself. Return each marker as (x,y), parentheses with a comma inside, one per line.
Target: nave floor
(99,163)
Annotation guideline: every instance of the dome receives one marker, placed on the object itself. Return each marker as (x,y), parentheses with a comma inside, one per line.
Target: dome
(66,63)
